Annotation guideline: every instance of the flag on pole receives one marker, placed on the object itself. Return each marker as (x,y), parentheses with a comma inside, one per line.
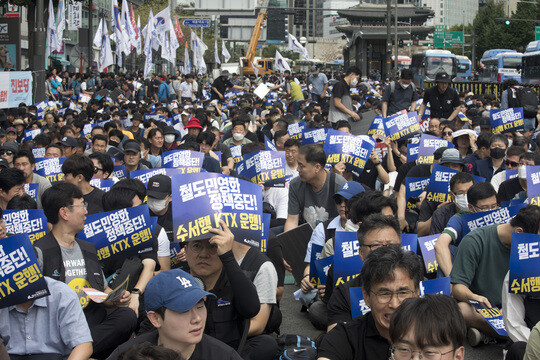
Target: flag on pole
(162,23)
(98,38)
(187,62)
(255,69)
(148,44)
(295,46)
(105,55)
(280,63)
(136,41)
(139,36)
(199,48)
(61,24)
(129,30)
(116,24)
(51,33)
(178,30)
(173,43)
(225,52)
(216,53)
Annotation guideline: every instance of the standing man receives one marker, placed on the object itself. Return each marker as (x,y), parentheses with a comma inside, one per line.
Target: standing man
(341,107)
(400,94)
(222,84)
(444,100)
(319,84)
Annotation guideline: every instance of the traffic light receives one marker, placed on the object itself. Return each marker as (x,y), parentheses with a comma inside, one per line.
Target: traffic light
(400,43)
(429,44)
(507,22)
(408,44)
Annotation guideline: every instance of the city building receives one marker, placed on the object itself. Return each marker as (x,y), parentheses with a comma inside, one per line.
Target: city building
(331,19)
(451,12)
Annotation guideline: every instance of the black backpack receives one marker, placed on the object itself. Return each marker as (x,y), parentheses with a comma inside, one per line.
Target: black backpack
(296,347)
(524,97)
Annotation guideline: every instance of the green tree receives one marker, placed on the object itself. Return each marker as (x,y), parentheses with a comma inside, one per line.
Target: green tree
(490,34)
(468,40)
(270,52)
(522,32)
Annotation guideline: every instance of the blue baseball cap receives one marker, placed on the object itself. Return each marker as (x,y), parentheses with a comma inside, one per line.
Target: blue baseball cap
(174,289)
(349,189)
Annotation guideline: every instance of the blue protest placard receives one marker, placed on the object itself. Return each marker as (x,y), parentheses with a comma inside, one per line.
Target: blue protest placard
(101,184)
(268,145)
(322,266)
(477,220)
(314,136)
(506,120)
(438,188)
(510,174)
(409,242)
(377,127)
(120,233)
(533,183)
(119,172)
(32,222)
(175,249)
(21,279)
(435,286)
(427,247)
(177,118)
(146,174)
(525,264)
(267,167)
(153,117)
(352,150)
(315,255)
(50,168)
(402,126)
(412,152)
(347,261)
(358,305)
(87,131)
(295,130)
(493,316)
(200,200)
(185,160)
(32,190)
(266,219)
(236,152)
(30,134)
(414,186)
(513,202)
(428,145)
(39,152)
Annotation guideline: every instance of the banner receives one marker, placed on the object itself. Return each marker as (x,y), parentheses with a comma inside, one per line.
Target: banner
(353,150)
(15,88)
(525,264)
(314,136)
(269,145)
(31,134)
(347,261)
(438,188)
(119,172)
(506,120)
(409,242)
(477,220)
(427,247)
(493,316)
(322,266)
(295,130)
(428,145)
(30,222)
(402,126)
(412,152)
(74,14)
(267,167)
(101,184)
(510,174)
(20,276)
(200,200)
(146,174)
(533,184)
(377,127)
(120,233)
(51,168)
(39,152)
(358,304)
(236,152)
(186,161)
(32,190)
(315,255)
(414,186)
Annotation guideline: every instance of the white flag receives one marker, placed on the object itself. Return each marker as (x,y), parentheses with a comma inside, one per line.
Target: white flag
(105,55)
(116,24)
(225,52)
(162,21)
(198,48)
(171,44)
(139,36)
(216,53)
(295,46)
(187,62)
(129,31)
(255,69)
(61,24)
(98,38)
(202,66)
(280,64)
(148,44)
(51,33)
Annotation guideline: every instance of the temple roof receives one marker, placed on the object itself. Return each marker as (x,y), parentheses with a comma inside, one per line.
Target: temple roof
(370,11)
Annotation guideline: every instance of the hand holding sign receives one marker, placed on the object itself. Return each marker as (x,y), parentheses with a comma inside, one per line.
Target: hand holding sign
(223,239)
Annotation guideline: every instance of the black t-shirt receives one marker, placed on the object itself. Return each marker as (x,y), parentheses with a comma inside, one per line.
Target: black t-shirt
(441,105)
(221,85)
(93,198)
(225,154)
(427,209)
(339,305)
(355,340)
(340,89)
(397,161)
(402,173)
(509,189)
(369,175)
(208,348)
(440,218)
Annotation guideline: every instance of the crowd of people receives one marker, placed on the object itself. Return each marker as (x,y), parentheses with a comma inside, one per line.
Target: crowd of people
(217,298)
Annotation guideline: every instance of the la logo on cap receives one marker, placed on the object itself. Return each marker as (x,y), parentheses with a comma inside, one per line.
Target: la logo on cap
(185,282)
(345,186)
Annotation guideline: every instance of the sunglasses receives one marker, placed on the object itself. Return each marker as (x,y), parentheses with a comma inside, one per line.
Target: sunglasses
(6,152)
(512,163)
(447,133)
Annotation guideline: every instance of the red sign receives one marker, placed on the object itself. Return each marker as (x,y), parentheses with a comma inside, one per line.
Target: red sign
(178,31)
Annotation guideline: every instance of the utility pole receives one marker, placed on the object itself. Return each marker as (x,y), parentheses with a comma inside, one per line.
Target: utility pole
(473,46)
(388,68)
(90,37)
(396,39)
(39,52)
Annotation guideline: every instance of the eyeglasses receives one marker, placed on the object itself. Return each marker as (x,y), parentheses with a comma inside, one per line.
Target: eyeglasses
(384,297)
(402,352)
(96,169)
(6,152)
(486,207)
(512,163)
(85,204)
(375,246)
(340,200)
(448,133)
(197,246)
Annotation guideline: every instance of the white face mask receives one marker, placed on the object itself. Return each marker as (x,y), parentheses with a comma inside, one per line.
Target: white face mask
(477,129)
(522,172)
(350,226)
(273,132)
(238,136)
(404,86)
(354,82)
(510,141)
(169,138)
(462,203)
(156,205)
(488,107)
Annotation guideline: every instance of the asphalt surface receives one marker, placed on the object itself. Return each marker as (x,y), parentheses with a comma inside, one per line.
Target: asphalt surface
(297,322)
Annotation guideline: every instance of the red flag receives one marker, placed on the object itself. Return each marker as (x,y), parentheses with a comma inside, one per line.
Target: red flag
(133,22)
(178,31)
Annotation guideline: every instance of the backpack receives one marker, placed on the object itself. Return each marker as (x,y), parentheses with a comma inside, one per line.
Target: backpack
(296,347)
(524,97)
(393,87)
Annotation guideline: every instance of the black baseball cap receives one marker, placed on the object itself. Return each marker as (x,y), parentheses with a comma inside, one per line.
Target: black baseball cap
(159,186)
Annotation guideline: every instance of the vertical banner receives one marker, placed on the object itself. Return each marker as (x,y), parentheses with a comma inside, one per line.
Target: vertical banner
(74,15)
(525,264)
(10,47)
(347,261)
(427,247)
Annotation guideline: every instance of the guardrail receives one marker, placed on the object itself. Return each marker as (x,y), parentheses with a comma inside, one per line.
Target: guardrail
(481,87)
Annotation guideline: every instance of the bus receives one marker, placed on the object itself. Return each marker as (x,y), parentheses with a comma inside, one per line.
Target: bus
(464,68)
(500,65)
(530,64)
(427,64)
(403,62)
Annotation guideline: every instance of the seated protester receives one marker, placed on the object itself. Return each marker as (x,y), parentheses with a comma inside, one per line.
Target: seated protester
(175,304)
(135,128)
(81,146)
(377,230)
(280,137)
(459,185)
(516,188)
(512,163)
(74,262)
(22,202)
(25,161)
(54,151)
(103,165)
(206,139)
(79,170)
(486,168)
(532,351)
(480,197)
(8,151)
(322,233)
(227,161)
(69,146)
(99,144)
(170,137)
(209,164)
(215,263)
(431,326)
(239,130)
(480,266)
(156,139)
(399,155)
(452,159)
(389,276)
(310,194)
(132,157)
(248,135)
(342,125)
(11,184)
(50,327)
(291,147)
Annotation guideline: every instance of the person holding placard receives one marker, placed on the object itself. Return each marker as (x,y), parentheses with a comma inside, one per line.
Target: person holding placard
(11,184)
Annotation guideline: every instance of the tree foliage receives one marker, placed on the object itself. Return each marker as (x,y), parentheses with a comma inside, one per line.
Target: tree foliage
(270,52)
